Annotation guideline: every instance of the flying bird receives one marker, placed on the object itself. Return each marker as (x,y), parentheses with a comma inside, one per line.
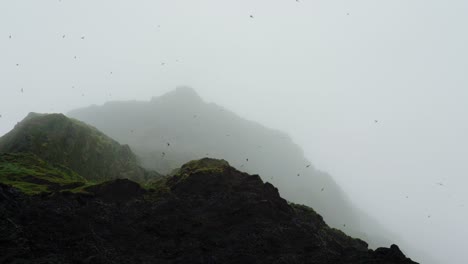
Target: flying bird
(376,121)
(10,36)
(322,189)
(22,90)
(163,154)
(247,160)
(298,174)
(168,144)
(440,184)
(308,166)
(63,36)
(251,16)
(82,37)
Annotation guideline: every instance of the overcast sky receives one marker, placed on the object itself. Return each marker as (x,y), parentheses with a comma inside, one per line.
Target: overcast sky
(322,70)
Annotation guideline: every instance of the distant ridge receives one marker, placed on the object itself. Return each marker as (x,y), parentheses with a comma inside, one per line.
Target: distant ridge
(196,129)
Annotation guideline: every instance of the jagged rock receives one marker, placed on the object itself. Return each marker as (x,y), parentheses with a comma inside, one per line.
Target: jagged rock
(209,213)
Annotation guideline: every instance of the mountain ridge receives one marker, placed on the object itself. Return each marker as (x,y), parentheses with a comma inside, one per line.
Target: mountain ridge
(196,129)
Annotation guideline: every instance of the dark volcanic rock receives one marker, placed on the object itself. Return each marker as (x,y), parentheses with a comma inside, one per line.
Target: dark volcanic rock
(118,190)
(209,213)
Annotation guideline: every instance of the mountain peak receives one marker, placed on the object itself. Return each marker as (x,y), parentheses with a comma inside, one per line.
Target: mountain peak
(180,94)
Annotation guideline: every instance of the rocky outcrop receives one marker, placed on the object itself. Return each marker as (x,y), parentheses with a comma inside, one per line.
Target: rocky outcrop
(209,213)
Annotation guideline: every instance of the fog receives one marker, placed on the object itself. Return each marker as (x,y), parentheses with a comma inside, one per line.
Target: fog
(374,92)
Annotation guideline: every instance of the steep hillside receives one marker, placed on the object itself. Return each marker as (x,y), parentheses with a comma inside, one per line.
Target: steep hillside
(210,213)
(57,139)
(179,126)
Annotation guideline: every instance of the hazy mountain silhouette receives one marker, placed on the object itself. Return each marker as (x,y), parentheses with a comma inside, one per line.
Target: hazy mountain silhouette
(179,126)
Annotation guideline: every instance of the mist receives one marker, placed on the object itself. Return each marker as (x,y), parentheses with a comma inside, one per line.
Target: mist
(374,93)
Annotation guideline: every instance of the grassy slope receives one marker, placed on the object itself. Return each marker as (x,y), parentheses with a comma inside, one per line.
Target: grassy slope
(61,140)
(32,175)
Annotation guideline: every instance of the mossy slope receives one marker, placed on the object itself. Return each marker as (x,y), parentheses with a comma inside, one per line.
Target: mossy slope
(32,175)
(74,144)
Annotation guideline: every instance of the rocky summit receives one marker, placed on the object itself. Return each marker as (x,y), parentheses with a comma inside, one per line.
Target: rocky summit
(206,212)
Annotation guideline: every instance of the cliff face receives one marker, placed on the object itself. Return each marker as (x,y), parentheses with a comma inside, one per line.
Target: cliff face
(179,126)
(208,212)
(57,139)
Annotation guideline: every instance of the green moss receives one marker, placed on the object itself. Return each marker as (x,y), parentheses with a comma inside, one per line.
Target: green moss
(205,165)
(33,175)
(158,185)
(58,139)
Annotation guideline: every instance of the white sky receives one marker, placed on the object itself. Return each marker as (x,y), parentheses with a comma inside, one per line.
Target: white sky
(321,70)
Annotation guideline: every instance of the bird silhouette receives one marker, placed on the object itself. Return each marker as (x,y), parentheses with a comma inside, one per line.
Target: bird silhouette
(322,189)
(22,90)
(247,160)
(82,37)
(168,144)
(298,174)
(63,36)
(251,16)
(308,166)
